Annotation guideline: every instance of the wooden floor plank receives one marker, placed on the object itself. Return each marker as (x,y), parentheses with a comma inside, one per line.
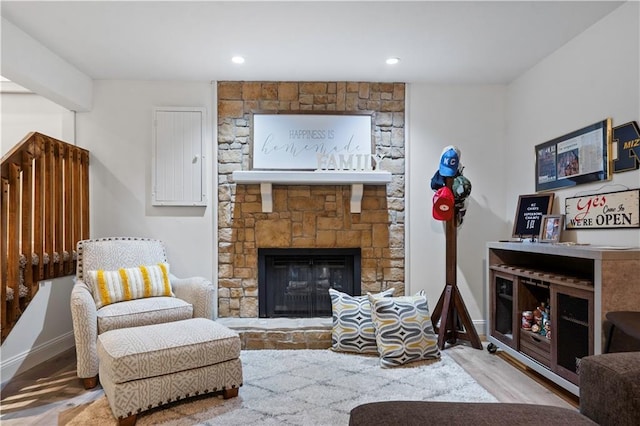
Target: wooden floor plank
(509,381)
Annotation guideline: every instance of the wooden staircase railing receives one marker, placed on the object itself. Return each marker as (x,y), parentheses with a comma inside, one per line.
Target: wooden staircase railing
(45,212)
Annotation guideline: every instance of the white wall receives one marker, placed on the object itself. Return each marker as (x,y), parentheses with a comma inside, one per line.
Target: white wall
(118,134)
(472,118)
(594,76)
(45,328)
(29,63)
(22,113)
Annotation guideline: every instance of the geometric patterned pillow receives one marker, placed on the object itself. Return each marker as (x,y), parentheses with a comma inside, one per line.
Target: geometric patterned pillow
(352,329)
(129,283)
(404,332)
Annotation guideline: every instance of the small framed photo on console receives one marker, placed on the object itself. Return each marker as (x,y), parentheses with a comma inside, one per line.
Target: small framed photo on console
(551,228)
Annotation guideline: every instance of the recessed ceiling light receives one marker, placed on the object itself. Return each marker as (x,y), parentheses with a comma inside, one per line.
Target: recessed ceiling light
(392,61)
(237,60)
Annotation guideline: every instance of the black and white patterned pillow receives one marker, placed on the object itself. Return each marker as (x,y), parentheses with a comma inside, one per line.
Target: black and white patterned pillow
(404,332)
(352,329)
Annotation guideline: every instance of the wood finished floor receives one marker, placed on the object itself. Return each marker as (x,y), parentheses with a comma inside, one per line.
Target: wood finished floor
(39,395)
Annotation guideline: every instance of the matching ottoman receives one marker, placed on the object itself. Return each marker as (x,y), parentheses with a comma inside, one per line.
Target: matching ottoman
(145,367)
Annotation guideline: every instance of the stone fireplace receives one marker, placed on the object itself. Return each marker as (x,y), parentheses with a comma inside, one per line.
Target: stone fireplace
(306,216)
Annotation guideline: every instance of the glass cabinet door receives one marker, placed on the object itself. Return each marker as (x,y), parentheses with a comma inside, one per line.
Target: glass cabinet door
(503,324)
(572,330)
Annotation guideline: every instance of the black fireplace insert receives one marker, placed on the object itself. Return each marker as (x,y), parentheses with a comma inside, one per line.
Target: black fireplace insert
(295,282)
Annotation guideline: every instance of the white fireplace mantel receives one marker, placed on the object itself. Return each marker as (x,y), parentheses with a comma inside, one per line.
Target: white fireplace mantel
(357,180)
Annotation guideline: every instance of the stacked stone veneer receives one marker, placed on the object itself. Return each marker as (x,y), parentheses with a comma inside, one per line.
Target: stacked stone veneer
(307,216)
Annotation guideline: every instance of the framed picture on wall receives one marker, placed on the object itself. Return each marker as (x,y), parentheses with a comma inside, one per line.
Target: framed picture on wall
(312,141)
(551,228)
(578,157)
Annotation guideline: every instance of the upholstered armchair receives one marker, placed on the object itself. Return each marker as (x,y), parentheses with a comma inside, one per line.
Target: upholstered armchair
(101,262)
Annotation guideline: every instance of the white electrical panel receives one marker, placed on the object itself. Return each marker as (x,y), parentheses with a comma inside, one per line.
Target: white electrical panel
(178,170)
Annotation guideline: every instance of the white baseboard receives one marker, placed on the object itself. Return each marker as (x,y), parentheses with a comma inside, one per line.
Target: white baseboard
(37,355)
(481,327)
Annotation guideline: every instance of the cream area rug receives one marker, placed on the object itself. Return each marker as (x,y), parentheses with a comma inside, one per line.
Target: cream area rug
(307,387)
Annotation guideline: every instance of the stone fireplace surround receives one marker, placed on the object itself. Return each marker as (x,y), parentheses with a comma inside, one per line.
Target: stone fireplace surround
(304,216)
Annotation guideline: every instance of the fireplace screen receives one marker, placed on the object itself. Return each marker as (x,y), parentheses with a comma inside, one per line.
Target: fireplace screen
(296,282)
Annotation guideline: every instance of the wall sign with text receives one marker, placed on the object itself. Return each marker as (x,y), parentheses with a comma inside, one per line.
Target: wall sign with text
(312,142)
(627,140)
(599,211)
(529,213)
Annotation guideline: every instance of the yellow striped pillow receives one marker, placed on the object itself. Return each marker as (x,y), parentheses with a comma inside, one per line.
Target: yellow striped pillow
(129,283)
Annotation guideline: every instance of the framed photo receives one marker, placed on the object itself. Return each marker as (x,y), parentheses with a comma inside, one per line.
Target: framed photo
(531,209)
(578,157)
(551,228)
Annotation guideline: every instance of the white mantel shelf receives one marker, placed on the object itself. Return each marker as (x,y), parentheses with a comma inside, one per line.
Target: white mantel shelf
(318,177)
(357,180)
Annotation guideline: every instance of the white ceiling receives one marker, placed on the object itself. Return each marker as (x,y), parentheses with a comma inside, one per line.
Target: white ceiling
(437,41)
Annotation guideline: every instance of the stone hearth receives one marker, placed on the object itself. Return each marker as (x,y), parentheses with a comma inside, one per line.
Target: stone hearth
(281,333)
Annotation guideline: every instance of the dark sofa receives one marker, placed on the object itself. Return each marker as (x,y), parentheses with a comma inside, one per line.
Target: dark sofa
(421,413)
(609,395)
(610,388)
